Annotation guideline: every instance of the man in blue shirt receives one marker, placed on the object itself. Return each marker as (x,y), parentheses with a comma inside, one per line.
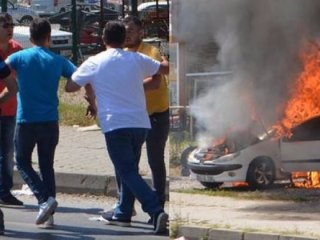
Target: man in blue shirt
(38,72)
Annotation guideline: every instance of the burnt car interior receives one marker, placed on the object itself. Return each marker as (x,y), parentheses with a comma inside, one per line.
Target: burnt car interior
(307,131)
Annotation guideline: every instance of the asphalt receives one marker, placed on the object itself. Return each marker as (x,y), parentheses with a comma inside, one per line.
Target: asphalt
(82,163)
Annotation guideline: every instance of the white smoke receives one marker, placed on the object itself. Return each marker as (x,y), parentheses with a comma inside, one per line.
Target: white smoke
(260,42)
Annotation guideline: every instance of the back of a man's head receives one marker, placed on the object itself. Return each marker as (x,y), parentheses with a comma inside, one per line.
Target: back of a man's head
(40,30)
(114,33)
(133,19)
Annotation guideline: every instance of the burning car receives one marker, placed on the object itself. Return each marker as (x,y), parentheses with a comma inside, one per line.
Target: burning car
(258,160)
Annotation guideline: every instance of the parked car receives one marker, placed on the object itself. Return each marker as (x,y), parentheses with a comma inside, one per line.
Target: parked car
(148,10)
(258,160)
(61,41)
(88,23)
(21,14)
(156,21)
(45,8)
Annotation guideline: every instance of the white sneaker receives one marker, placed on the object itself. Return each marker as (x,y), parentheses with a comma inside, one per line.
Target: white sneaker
(45,210)
(48,224)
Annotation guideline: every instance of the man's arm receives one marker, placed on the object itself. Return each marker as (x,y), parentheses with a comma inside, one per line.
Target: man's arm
(164,67)
(91,99)
(71,86)
(10,90)
(152,83)
(9,81)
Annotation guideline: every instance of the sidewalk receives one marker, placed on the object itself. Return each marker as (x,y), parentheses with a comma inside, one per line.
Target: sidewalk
(82,163)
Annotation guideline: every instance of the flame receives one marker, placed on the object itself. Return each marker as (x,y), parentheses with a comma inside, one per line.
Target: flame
(304,104)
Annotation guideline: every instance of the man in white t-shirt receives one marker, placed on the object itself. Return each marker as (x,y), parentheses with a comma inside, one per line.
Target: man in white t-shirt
(117,80)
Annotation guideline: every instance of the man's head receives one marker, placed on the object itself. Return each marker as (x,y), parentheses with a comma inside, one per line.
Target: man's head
(6,27)
(134,31)
(114,34)
(40,32)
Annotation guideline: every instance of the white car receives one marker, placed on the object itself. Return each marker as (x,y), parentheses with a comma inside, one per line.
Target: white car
(21,14)
(258,160)
(61,41)
(148,10)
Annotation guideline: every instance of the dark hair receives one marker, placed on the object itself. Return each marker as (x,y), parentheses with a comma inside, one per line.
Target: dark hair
(5,17)
(114,32)
(40,30)
(135,20)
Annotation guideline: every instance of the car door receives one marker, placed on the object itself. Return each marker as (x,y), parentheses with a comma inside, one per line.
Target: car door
(300,152)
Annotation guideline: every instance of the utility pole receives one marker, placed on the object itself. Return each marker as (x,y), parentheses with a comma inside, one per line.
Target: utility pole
(4,5)
(74,17)
(134,7)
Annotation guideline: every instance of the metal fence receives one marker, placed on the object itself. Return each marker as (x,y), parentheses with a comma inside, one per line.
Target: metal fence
(77,24)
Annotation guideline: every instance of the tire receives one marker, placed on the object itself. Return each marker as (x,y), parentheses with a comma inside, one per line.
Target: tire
(184,159)
(261,173)
(26,20)
(211,185)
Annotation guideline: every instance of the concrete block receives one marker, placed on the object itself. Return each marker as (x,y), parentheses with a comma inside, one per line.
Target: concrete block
(193,233)
(221,234)
(260,236)
(296,238)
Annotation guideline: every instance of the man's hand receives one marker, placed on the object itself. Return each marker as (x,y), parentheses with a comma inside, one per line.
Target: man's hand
(90,97)
(91,112)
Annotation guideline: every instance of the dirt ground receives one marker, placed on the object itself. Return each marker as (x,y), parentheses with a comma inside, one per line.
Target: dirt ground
(298,214)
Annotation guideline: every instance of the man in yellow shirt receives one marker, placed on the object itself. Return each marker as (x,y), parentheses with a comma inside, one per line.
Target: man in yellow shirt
(157,100)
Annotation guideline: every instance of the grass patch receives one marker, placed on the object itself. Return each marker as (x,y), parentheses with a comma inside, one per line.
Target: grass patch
(72,107)
(71,114)
(178,142)
(281,194)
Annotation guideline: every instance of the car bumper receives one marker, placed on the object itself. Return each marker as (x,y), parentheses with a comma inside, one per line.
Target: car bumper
(212,169)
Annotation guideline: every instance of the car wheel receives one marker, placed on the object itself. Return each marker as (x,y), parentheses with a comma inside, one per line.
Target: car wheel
(211,185)
(261,173)
(184,159)
(26,20)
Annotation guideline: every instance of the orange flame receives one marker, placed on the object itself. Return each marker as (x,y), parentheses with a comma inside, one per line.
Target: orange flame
(304,104)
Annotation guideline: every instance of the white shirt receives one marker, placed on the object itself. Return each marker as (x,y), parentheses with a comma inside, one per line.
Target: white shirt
(117,79)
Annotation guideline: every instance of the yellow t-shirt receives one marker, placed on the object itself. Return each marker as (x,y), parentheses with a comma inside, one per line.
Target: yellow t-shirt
(157,100)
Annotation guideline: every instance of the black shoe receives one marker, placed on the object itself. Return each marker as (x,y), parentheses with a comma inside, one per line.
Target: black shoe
(160,223)
(109,218)
(10,200)
(1,223)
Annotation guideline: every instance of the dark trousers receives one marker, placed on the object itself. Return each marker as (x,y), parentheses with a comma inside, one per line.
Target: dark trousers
(7,126)
(156,143)
(45,135)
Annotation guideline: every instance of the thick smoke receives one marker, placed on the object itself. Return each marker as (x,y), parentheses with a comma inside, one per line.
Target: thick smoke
(260,42)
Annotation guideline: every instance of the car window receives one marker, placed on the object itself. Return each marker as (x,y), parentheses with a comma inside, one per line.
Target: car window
(307,131)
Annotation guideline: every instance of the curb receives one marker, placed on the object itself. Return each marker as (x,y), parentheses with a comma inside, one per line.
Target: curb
(195,233)
(84,183)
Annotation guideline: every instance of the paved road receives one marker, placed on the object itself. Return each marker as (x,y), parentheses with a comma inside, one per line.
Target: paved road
(85,153)
(73,220)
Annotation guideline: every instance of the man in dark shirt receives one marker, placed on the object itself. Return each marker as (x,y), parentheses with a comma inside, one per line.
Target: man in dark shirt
(4,74)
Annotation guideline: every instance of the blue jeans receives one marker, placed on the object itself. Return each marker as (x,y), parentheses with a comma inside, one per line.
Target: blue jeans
(7,126)
(124,148)
(45,135)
